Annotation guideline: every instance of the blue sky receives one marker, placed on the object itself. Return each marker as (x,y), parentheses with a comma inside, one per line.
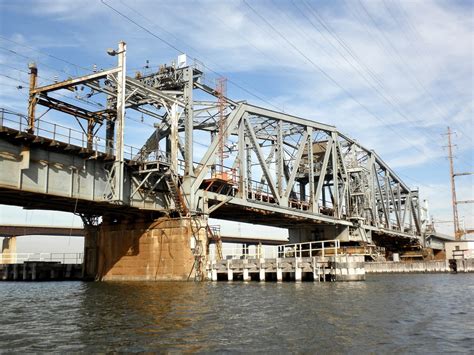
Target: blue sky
(392,74)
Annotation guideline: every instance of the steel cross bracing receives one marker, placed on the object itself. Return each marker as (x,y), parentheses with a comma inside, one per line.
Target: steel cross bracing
(278,169)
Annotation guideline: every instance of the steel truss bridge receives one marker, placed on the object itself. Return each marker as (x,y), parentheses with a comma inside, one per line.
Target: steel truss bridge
(257,165)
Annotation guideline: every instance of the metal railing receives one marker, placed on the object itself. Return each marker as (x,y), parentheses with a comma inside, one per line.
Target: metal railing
(317,248)
(74,137)
(20,258)
(235,253)
(321,248)
(238,251)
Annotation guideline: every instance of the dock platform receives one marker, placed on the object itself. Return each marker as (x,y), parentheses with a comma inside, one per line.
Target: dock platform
(316,268)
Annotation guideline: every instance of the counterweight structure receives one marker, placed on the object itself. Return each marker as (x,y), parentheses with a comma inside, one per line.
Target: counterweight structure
(277,169)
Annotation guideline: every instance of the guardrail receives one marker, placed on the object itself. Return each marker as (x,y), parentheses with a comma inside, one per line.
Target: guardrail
(71,136)
(239,252)
(321,248)
(20,258)
(309,249)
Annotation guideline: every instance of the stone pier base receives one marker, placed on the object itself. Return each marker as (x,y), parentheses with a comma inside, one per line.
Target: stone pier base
(164,249)
(8,250)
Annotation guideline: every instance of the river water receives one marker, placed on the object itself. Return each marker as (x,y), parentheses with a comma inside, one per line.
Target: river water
(386,313)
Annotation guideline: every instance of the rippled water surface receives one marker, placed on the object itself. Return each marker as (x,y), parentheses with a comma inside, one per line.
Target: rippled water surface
(393,313)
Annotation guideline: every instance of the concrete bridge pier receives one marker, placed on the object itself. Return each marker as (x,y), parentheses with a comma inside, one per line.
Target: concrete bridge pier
(261,271)
(279,270)
(145,250)
(245,272)
(298,271)
(9,247)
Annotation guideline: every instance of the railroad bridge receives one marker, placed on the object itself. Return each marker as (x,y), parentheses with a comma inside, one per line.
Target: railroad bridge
(146,208)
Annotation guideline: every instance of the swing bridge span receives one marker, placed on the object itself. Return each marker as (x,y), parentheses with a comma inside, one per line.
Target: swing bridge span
(207,155)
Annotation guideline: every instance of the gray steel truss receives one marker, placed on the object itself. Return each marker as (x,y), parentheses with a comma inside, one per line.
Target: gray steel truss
(278,169)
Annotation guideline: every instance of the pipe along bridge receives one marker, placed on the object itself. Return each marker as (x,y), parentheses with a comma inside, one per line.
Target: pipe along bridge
(146,207)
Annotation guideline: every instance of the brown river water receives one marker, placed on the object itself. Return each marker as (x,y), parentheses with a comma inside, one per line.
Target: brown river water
(432,313)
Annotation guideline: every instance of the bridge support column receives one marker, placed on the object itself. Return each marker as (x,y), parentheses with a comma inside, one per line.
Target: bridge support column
(89,265)
(230,272)
(141,250)
(279,270)
(214,271)
(298,271)
(245,272)
(9,250)
(262,269)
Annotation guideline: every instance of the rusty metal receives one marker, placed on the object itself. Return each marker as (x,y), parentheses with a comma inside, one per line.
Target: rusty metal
(32,99)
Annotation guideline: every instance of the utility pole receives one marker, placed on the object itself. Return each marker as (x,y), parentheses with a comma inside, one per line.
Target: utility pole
(458,232)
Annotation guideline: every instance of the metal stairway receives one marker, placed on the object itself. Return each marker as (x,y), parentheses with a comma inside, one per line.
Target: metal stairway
(175,193)
(214,235)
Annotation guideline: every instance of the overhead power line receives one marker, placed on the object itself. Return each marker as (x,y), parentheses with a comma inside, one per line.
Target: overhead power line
(326,75)
(371,77)
(46,54)
(128,18)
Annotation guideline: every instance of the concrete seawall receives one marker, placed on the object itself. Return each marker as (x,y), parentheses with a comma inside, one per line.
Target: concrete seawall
(40,271)
(421,266)
(316,268)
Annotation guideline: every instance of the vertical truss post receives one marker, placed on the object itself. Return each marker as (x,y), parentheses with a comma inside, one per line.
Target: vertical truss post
(387,198)
(410,216)
(279,158)
(399,208)
(372,177)
(109,129)
(242,161)
(32,97)
(416,212)
(173,138)
(221,89)
(344,191)
(405,210)
(248,153)
(90,133)
(109,136)
(311,192)
(188,122)
(335,173)
(189,178)
(120,120)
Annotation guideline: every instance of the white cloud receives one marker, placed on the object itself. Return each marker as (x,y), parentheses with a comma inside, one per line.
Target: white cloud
(433,52)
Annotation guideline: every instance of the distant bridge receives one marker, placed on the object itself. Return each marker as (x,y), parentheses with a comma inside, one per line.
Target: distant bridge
(20,230)
(24,230)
